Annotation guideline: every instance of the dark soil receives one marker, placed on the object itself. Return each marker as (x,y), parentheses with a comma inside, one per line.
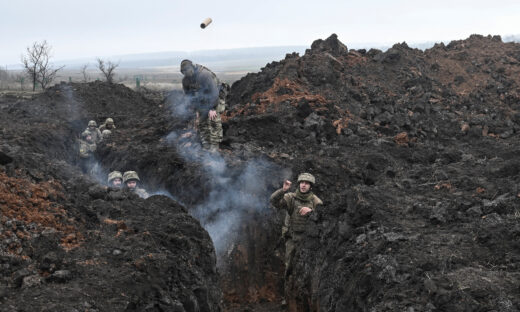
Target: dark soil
(70,244)
(414,154)
(415,158)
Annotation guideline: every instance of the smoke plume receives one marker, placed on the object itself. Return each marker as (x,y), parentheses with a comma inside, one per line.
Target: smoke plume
(238,189)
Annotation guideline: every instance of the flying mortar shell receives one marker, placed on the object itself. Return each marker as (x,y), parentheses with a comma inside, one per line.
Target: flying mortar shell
(205,23)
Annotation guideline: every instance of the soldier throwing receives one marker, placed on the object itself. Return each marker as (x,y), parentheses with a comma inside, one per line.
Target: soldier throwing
(208,99)
(299,205)
(130,180)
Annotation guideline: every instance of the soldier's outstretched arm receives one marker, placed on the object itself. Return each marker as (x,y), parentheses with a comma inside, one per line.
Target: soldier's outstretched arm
(277,198)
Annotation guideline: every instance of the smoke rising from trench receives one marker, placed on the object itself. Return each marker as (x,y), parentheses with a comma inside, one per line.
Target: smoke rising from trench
(238,190)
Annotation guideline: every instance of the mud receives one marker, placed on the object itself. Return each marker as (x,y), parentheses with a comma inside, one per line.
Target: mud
(414,154)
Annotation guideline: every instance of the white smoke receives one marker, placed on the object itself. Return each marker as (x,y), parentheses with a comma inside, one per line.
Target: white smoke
(180,105)
(238,189)
(167,194)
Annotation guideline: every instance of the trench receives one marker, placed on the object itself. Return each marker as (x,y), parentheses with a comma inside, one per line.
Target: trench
(250,261)
(250,256)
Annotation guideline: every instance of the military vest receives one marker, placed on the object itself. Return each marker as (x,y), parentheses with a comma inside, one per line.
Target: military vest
(86,149)
(299,223)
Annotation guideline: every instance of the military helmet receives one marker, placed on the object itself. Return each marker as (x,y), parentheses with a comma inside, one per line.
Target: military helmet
(306,177)
(185,64)
(106,133)
(114,175)
(85,134)
(92,123)
(109,121)
(130,175)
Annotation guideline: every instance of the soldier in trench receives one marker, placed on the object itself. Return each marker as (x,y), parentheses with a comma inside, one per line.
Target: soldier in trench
(87,147)
(130,181)
(207,99)
(300,206)
(108,125)
(115,179)
(94,131)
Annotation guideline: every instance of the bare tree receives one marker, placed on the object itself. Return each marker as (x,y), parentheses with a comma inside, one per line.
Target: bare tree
(37,66)
(83,71)
(107,69)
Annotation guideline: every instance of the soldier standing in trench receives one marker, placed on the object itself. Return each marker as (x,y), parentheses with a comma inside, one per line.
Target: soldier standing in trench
(130,181)
(208,99)
(87,147)
(300,205)
(108,125)
(115,179)
(94,131)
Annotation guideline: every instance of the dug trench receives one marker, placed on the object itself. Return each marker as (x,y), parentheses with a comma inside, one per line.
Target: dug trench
(414,154)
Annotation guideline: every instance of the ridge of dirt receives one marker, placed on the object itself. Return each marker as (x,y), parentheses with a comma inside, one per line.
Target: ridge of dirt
(414,153)
(69,243)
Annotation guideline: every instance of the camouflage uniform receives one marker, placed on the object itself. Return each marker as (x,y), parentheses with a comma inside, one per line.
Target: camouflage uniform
(86,152)
(292,202)
(207,93)
(132,175)
(108,125)
(94,131)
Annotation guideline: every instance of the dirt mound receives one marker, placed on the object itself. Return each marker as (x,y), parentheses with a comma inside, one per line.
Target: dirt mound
(414,153)
(68,242)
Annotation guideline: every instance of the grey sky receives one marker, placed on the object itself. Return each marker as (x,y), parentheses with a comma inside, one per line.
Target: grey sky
(96,28)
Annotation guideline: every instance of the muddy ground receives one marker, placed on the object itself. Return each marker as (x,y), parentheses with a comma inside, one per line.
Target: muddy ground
(414,154)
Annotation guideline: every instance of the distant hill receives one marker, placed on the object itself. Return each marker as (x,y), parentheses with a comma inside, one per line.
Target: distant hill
(241,59)
(218,60)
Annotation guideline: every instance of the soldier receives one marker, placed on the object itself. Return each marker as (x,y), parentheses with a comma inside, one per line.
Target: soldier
(96,134)
(115,179)
(87,147)
(108,125)
(208,99)
(300,205)
(130,179)
(105,134)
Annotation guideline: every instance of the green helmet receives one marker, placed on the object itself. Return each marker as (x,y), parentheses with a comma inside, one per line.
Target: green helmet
(109,121)
(106,133)
(130,175)
(92,123)
(114,175)
(306,177)
(85,134)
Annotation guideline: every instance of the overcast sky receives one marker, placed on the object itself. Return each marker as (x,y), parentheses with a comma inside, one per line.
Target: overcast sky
(103,28)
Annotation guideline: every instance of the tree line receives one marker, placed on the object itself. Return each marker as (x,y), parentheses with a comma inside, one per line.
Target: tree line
(39,69)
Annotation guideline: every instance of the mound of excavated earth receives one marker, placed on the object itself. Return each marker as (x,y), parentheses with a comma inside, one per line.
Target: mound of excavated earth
(416,159)
(414,153)
(67,243)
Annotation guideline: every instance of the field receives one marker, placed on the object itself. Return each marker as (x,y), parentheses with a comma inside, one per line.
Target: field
(164,78)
